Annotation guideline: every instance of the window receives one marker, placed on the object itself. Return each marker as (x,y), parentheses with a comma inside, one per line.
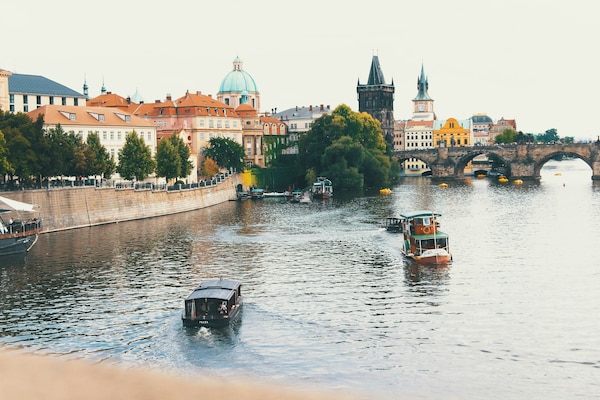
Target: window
(51,100)
(25,108)
(112,135)
(76,101)
(11,98)
(64,101)
(25,99)
(101,117)
(38,100)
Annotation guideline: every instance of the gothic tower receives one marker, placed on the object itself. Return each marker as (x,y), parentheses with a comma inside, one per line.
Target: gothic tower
(377,99)
(423,104)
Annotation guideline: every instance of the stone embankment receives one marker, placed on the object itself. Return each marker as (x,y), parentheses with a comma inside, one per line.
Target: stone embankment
(70,208)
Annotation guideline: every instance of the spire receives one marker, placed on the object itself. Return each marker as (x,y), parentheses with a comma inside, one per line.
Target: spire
(103,90)
(375,74)
(422,86)
(85,88)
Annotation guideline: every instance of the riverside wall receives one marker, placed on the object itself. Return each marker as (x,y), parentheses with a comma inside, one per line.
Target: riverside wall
(78,207)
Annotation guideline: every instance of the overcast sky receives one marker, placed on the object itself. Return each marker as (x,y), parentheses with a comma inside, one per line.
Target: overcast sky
(533,61)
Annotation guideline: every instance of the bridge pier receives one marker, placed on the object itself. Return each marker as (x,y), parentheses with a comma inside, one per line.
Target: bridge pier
(524,170)
(596,170)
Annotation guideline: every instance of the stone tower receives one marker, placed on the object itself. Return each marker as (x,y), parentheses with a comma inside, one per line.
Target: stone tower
(377,99)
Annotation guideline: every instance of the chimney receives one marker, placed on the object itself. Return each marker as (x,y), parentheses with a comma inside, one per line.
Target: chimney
(310,107)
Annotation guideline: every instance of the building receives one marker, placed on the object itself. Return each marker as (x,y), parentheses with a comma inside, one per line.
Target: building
(298,121)
(377,98)
(452,132)
(481,125)
(252,135)
(275,138)
(28,92)
(237,84)
(111,124)
(500,126)
(418,131)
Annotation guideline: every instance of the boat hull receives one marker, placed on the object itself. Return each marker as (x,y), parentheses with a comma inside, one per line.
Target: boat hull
(11,244)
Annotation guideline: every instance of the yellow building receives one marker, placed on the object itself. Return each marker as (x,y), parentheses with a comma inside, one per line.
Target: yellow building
(452,133)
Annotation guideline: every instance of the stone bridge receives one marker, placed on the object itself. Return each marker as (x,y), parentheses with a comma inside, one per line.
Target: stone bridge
(523,161)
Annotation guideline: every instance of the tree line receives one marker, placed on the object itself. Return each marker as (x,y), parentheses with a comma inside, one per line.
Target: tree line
(32,154)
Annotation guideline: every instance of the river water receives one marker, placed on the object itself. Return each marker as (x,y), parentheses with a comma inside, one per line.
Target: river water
(330,303)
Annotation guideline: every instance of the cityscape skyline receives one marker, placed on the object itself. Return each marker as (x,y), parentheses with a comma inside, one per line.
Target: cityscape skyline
(512,60)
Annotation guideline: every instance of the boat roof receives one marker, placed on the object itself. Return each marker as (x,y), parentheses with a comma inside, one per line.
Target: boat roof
(437,235)
(7,205)
(221,289)
(420,213)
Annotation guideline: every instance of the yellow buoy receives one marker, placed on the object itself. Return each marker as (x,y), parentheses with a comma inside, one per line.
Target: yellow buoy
(385,191)
(443,185)
(518,182)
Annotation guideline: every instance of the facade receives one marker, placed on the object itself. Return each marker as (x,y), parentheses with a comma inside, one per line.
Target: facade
(452,132)
(298,121)
(238,87)
(417,135)
(481,125)
(252,135)
(377,98)
(4,97)
(500,126)
(29,92)
(275,138)
(111,125)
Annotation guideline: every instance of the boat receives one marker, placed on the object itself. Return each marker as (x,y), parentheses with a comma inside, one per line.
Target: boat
(322,188)
(256,193)
(216,303)
(20,226)
(392,224)
(296,196)
(422,241)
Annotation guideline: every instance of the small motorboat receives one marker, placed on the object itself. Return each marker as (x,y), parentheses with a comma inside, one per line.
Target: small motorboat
(422,240)
(215,303)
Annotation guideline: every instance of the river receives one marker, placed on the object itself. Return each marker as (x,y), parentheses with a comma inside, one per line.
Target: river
(329,300)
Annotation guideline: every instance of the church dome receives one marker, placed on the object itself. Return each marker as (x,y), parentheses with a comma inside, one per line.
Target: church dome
(481,119)
(238,80)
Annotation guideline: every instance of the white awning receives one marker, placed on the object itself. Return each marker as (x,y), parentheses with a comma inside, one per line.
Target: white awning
(14,205)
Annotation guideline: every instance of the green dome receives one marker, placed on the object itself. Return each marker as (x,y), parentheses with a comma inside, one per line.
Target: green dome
(238,80)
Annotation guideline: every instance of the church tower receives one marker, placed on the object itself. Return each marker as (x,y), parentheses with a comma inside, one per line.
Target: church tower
(377,99)
(423,104)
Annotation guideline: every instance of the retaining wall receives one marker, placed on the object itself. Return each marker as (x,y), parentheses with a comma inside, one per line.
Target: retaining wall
(70,208)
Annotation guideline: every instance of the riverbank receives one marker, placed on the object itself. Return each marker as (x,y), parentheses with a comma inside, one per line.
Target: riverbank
(78,207)
(33,377)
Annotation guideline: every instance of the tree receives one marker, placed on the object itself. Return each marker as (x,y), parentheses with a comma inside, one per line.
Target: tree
(135,158)
(507,136)
(97,157)
(5,167)
(349,148)
(550,136)
(209,167)
(168,163)
(183,152)
(225,152)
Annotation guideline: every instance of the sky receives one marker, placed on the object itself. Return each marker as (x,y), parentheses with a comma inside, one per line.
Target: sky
(530,60)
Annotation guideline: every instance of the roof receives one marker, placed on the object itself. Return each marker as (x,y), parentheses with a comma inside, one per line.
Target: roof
(375,73)
(89,116)
(109,100)
(420,213)
(35,84)
(221,289)
(310,112)
(238,80)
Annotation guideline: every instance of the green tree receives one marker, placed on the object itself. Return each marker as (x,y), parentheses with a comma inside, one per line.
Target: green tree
(507,136)
(183,151)
(550,136)
(349,148)
(5,167)
(168,163)
(225,152)
(99,161)
(135,158)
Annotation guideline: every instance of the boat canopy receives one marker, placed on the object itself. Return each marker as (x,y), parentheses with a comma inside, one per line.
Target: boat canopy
(8,205)
(419,214)
(437,235)
(221,289)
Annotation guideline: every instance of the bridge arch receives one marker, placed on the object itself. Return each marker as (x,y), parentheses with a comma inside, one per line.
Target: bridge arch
(543,160)
(461,163)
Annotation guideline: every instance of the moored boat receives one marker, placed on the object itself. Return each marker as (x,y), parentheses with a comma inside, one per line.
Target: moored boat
(322,188)
(422,240)
(20,226)
(257,193)
(392,224)
(215,303)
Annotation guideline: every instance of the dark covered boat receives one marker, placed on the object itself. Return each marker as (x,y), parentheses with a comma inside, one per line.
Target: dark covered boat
(20,226)
(215,303)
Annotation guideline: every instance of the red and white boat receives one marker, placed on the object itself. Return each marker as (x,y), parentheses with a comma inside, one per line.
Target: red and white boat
(422,240)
